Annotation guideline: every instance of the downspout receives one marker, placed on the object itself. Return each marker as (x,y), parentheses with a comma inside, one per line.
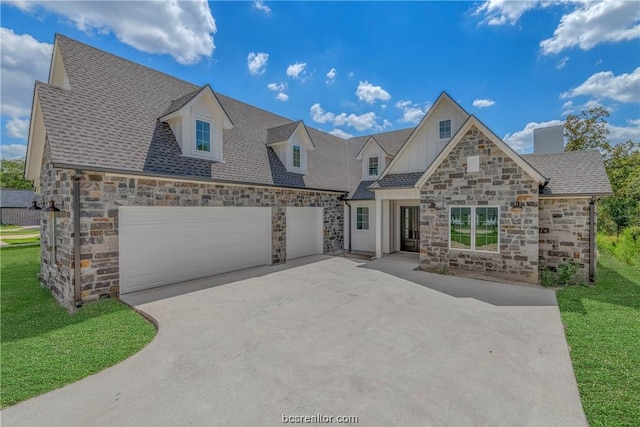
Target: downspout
(347,203)
(76,238)
(592,240)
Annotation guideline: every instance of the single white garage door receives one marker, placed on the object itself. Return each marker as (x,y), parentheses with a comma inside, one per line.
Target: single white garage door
(165,245)
(304,232)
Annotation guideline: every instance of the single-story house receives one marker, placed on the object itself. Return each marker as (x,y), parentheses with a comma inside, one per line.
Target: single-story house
(160,181)
(12,207)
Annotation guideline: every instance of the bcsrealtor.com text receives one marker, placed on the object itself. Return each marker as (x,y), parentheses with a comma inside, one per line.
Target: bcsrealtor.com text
(319,419)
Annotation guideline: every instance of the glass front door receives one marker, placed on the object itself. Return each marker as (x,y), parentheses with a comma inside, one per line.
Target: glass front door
(410,228)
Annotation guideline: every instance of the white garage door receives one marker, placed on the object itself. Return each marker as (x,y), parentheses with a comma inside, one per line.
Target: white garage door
(304,232)
(164,245)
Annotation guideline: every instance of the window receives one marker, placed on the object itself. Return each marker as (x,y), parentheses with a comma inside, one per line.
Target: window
(296,156)
(362,218)
(203,136)
(474,228)
(445,129)
(373,166)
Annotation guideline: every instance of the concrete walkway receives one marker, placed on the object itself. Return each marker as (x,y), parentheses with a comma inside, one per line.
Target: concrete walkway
(335,337)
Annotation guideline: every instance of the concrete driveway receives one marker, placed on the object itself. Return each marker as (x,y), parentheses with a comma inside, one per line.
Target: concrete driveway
(326,336)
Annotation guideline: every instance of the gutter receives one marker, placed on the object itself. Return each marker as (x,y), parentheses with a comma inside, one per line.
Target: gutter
(76,239)
(592,240)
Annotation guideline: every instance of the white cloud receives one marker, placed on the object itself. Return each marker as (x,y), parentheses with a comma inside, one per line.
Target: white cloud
(359,122)
(182,29)
(483,103)
(23,60)
(18,128)
(369,93)
(592,23)
(257,63)
(341,134)
(499,12)
(562,63)
(386,123)
(411,113)
(277,87)
(294,70)
(522,140)
(331,75)
(13,151)
(618,134)
(567,108)
(259,5)
(282,97)
(622,88)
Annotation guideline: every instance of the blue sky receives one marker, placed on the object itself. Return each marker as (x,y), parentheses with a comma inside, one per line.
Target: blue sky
(354,68)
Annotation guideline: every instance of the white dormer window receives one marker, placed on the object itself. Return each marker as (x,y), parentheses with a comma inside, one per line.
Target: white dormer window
(296,156)
(203,136)
(197,120)
(445,129)
(373,166)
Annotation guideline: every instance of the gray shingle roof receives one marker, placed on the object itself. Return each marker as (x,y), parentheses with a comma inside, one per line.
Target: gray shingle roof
(177,104)
(398,180)
(11,198)
(109,119)
(362,192)
(281,133)
(572,173)
(389,141)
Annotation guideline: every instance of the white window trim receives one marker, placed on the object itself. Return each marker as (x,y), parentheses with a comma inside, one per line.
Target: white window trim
(377,166)
(293,159)
(197,119)
(473,228)
(451,130)
(368,219)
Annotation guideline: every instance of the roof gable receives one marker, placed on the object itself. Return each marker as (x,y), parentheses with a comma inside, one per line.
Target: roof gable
(369,142)
(455,140)
(444,96)
(182,104)
(283,133)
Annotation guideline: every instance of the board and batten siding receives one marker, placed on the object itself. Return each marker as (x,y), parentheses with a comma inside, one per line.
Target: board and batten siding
(426,144)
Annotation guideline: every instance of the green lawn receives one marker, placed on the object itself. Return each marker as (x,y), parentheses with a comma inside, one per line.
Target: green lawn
(603,332)
(43,347)
(21,241)
(18,232)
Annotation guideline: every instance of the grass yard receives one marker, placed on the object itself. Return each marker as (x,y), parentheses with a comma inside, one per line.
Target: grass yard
(43,346)
(15,231)
(21,241)
(603,332)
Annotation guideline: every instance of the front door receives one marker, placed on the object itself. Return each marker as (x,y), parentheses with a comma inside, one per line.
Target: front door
(410,228)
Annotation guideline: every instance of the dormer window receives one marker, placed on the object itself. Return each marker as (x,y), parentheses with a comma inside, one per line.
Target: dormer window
(203,136)
(296,156)
(445,129)
(373,166)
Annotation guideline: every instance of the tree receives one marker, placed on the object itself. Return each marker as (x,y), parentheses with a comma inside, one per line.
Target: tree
(12,174)
(587,130)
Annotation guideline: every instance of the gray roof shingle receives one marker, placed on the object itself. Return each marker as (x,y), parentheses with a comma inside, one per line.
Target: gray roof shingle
(362,192)
(281,133)
(109,119)
(572,173)
(398,180)
(11,198)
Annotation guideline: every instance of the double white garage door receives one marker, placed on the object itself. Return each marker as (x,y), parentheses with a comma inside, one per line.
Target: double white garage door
(165,245)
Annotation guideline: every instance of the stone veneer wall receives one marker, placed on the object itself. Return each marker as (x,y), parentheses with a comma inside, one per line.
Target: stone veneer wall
(500,182)
(564,233)
(56,246)
(102,194)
